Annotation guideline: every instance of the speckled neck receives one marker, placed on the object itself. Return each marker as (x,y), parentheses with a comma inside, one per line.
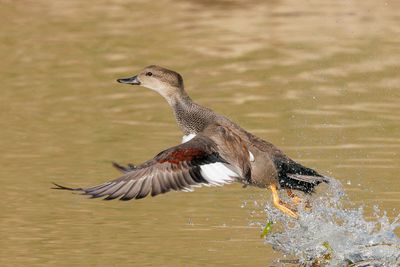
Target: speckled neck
(191,117)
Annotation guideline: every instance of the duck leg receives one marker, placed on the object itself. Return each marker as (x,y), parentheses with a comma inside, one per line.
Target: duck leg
(295,199)
(279,204)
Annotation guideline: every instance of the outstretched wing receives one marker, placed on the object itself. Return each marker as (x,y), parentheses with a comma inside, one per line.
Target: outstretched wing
(182,167)
(124,169)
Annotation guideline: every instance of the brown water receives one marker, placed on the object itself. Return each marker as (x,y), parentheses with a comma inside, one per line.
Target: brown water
(320,80)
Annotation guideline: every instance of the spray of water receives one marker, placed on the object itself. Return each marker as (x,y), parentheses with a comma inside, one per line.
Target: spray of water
(335,233)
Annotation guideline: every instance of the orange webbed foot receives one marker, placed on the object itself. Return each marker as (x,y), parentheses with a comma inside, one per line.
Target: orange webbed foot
(279,204)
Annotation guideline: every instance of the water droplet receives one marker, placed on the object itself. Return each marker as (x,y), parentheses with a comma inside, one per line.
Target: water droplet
(351,238)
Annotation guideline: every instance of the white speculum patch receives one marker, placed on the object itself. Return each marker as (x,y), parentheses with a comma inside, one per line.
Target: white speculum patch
(218,174)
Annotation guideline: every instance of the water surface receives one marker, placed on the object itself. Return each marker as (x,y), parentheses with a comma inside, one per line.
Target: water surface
(319,80)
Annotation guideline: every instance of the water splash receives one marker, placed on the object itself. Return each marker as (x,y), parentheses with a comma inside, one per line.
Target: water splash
(335,233)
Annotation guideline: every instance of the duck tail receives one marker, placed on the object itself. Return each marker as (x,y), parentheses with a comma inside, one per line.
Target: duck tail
(309,178)
(305,183)
(295,176)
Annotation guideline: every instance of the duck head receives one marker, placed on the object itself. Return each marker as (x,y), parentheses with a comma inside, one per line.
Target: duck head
(164,81)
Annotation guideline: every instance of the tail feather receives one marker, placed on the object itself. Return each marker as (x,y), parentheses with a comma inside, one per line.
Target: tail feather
(305,183)
(308,178)
(296,176)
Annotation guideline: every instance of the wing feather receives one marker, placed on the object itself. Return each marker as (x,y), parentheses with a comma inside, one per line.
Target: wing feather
(130,193)
(180,168)
(144,189)
(156,187)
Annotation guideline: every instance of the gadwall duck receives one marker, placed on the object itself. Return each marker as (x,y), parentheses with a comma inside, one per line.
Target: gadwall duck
(215,151)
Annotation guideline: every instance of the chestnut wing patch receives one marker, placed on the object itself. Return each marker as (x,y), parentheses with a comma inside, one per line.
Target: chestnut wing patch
(192,155)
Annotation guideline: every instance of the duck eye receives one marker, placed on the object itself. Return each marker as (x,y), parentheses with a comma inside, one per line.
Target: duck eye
(149,74)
